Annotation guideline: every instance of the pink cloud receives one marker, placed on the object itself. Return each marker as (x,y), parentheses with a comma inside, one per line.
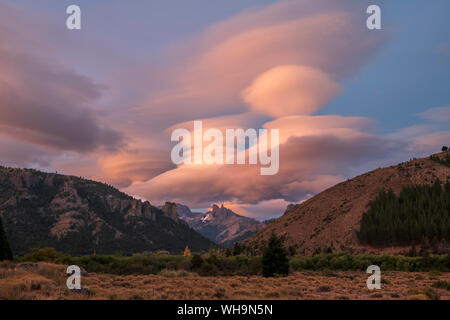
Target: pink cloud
(311,159)
(134,166)
(290,90)
(205,76)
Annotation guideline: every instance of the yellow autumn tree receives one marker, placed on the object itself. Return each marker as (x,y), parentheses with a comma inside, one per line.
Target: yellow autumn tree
(187,252)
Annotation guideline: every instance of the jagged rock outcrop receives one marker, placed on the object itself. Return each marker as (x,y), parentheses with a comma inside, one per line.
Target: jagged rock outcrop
(173,211)
(221,225)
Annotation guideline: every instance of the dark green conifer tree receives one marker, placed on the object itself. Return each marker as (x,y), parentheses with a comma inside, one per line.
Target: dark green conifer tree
(5,250)
(275,260)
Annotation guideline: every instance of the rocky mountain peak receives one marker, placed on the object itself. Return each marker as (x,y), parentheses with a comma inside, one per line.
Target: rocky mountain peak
(222,225)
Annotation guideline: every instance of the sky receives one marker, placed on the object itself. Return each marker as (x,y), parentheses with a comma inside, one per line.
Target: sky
(101,102)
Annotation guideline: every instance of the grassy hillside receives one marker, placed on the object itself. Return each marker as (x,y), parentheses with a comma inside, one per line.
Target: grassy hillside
(331,220)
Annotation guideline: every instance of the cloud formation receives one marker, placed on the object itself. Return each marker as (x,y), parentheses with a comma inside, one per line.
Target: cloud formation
(437,114)
(430,135)
(44,103)
(134,166)
(204,77)
(268,67)
(290,90)
(283,59)
(271,67)
(316,157)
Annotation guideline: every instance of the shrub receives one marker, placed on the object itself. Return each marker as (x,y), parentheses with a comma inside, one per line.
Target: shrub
(324,289)
(196,261)
(427,292)
(208,269)
(44,254)
(445,160)
(419,296)
(345,261)
(441,285)
(176,274)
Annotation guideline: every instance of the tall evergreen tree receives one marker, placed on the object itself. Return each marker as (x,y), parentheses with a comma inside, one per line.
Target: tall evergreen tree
(275,260)
(5,250)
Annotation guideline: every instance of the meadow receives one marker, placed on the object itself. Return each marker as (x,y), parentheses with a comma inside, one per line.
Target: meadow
(41,274)
(45,281)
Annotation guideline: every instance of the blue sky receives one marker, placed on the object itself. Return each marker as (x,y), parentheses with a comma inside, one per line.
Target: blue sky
(410,74)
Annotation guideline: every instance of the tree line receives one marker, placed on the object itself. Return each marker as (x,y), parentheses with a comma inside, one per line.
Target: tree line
(419,213)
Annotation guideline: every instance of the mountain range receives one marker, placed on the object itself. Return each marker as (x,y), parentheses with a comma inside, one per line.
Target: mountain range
(79,216)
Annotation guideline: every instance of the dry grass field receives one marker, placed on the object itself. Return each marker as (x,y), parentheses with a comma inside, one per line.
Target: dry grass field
(48,281)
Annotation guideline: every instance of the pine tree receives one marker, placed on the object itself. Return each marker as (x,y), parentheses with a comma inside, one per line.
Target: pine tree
(5,250)
(275,260)
(418,212)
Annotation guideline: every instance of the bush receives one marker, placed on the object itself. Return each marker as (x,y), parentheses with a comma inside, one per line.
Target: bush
(419,294)
(208,269)
(175,274)
(274,260)
(441,285)
(345,261)
(196,261)
(45,254)
(444,160)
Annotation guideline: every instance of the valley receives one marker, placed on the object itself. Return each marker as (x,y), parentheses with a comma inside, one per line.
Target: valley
(45,281)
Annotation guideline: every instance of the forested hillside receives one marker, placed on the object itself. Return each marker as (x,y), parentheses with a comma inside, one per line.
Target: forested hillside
(80,216)
(418,213)
(416,210)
